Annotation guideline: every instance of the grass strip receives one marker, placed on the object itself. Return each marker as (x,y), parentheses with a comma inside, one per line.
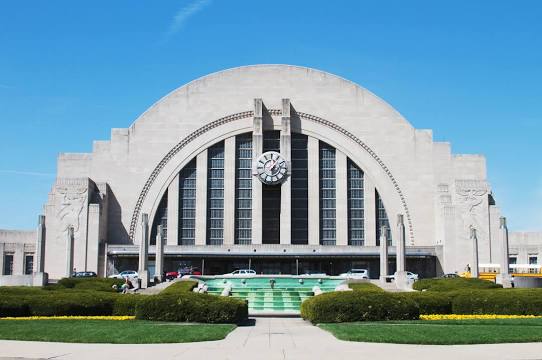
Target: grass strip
(444,332)
(111,332)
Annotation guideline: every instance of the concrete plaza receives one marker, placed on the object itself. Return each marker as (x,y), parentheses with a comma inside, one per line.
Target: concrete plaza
(269,338)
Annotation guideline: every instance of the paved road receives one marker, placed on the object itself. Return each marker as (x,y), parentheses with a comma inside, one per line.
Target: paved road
(270,338)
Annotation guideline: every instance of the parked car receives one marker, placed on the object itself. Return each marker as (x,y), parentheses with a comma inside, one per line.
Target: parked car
(356,274)
(409,275)
(313,273)
(130,274)
(450,276)
(242,272)
(170,275)
(85,274)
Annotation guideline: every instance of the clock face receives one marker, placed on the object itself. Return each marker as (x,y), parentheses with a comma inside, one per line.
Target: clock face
(271,168)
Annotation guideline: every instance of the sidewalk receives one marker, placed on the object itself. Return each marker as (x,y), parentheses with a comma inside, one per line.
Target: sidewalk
(269,338)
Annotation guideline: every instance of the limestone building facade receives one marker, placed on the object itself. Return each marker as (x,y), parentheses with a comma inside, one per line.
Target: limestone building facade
(279,168)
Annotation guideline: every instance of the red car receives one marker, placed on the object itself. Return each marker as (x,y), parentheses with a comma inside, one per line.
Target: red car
(185,271)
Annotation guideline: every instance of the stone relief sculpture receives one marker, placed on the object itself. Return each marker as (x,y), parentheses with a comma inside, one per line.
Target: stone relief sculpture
(471,195)
(71,205)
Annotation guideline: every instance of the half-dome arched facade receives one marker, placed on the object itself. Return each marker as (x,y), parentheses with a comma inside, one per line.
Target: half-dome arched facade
(342,166)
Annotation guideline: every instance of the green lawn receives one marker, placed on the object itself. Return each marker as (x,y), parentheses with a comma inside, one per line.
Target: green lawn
(113,332)
(445,332)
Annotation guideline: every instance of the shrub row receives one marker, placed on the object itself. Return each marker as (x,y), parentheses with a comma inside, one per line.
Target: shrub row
(178,304)
(453,284)
(58,304)
(357,306)
(374,306)
(365,286)
(96,284)
(179,287)
(501,302)
(192,307)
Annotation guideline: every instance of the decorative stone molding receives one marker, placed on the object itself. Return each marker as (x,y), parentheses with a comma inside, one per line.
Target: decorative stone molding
(249,114)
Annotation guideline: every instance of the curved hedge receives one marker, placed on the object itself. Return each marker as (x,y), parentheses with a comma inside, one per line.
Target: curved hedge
(58,304)
(350,306)
(96,284)
(501,302)
(431,303)
(179,287)
(192,307)
(453,284)
(365,286)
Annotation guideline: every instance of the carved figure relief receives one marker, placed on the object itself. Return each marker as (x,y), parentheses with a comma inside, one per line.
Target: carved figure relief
(471,195)
(71,205)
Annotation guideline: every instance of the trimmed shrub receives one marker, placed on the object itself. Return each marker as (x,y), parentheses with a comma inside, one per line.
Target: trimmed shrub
(444,284)
(431,303)
(96,284)
(192,307)
(179,287)
(125,304)
(11,306)
(350,306)
(365,286)
(501,302)
(71,304)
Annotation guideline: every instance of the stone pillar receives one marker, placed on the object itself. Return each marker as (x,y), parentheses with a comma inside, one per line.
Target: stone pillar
(401,280)
(143,270)
(201,198)
(229,191)
(400,244)
(474,241)
(93,237)
(503,231)
(257,149)
(69,252)
(39,255)
(2,246)
(504,277)
(369,204)
(286,187)
(159,255)
(18,260)
(341,198)
(383,253)
(173,212)
(106,261)
(313,164)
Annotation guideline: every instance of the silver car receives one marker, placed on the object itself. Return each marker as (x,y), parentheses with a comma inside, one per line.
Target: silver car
(130,274)
(356,274)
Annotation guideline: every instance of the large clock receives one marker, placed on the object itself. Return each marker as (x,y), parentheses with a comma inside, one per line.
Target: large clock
(271,168)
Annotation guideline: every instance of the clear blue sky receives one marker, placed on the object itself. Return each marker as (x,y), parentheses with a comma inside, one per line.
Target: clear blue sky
(72,70)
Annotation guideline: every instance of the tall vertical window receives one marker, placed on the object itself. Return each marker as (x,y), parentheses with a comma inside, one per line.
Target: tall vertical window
(299,178)
(356,230)
(328,231)
(28,264)
(215,194)
(271,140)
(271,196)
(381,219)
(243,189)
(160,218)
(533,260)
(8,264)
(187,204)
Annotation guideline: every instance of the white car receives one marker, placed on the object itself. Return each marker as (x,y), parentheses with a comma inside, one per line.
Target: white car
(409,275)
(242,272)
(131,274)
(356,274)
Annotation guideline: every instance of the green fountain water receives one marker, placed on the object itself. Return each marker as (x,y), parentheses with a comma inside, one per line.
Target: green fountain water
(281,294)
